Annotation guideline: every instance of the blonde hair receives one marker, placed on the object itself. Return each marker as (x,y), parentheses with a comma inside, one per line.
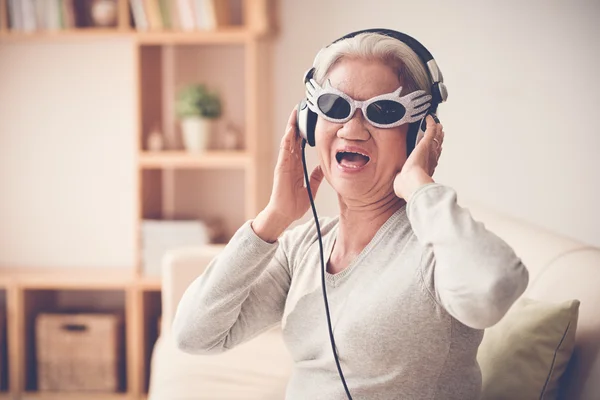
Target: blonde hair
(375,46)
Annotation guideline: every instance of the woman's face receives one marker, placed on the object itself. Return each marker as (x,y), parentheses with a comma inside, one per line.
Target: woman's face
(353,176)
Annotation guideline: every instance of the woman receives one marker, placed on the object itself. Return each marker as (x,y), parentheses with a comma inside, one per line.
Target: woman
(412,279)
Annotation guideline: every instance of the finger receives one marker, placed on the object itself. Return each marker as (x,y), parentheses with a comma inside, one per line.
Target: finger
(438,126)
(437,136)
(288,139)
(435,148)
(316,177)
(288,144)
(430,124)
(439,155)
(430,130)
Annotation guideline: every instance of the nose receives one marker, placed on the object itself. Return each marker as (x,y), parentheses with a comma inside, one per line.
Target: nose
(355,128)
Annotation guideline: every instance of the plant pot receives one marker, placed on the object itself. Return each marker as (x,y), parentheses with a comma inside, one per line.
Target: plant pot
(196,133)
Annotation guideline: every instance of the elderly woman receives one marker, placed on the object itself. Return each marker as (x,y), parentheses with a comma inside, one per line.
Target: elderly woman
(412,279)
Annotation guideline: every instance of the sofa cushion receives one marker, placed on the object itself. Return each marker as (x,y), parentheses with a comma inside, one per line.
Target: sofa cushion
(525,354)
(256,370)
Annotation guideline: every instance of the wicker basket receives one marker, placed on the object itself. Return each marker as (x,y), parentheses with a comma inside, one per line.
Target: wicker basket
(79,352)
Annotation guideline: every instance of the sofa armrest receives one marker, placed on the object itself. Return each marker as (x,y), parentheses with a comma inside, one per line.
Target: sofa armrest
(179,269)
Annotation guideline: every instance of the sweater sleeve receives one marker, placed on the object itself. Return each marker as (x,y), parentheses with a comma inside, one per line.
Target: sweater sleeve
(241,294)
(476,275)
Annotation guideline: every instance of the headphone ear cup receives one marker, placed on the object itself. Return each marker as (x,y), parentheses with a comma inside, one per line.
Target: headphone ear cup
(307,121)
(311,126)
(439,94)
(411,137)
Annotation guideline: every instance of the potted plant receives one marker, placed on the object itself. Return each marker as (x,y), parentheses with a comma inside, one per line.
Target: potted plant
(197,108)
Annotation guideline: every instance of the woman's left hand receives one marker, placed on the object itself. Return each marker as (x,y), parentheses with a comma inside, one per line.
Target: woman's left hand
(420,165)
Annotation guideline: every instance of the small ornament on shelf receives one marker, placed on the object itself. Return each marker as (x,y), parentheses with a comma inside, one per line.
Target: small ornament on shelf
(104,13)
(216,229)
(230,140)
(155,141)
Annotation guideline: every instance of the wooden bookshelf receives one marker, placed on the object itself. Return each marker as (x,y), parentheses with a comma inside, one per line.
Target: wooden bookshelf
(36,290)
(164,59)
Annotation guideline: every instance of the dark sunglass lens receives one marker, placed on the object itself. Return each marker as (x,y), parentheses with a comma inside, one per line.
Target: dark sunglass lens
(333,106)
(385,112)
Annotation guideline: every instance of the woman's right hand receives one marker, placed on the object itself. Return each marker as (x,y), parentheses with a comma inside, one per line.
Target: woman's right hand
(289,198)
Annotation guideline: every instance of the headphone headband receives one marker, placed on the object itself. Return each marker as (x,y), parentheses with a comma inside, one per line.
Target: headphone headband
(411,42)
(438,88)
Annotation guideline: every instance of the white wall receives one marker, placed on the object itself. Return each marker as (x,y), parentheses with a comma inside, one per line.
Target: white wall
(521,132)
(520,129)
(67,171)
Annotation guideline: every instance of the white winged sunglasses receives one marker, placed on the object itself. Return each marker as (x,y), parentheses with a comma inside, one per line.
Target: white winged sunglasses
(383,111)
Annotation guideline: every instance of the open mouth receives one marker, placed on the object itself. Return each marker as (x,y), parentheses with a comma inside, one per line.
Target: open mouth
(351,159)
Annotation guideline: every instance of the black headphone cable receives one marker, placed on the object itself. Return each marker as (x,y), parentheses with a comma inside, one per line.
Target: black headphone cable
(314,210)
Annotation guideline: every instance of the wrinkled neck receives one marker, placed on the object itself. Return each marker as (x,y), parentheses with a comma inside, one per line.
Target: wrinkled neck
(358,224)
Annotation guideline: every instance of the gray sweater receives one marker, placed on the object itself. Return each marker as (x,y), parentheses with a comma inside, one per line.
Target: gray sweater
(408,313)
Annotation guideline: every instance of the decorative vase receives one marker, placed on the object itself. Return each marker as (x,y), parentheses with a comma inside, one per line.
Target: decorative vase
(196,133)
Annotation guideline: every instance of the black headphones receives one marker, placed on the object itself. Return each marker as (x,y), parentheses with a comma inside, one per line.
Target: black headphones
(307,119)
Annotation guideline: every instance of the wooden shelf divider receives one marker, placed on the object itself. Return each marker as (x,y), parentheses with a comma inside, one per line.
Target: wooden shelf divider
(221,36)
(124,16)
(75,396)
(232,35)
(182,159)
(3,16)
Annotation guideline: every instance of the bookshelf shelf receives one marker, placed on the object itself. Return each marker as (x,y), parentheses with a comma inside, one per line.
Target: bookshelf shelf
(65,278)
(232,35)
(66,34)
(149,283)
(182,159)
(74,396)
(220,36)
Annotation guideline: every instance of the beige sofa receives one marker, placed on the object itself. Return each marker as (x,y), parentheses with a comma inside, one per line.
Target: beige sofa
(560,269)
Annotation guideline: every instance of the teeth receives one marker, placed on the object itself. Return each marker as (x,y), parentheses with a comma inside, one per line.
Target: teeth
(354,152)
(339,154)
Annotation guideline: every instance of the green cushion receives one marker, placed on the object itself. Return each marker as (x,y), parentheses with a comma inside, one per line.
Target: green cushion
(524,355)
